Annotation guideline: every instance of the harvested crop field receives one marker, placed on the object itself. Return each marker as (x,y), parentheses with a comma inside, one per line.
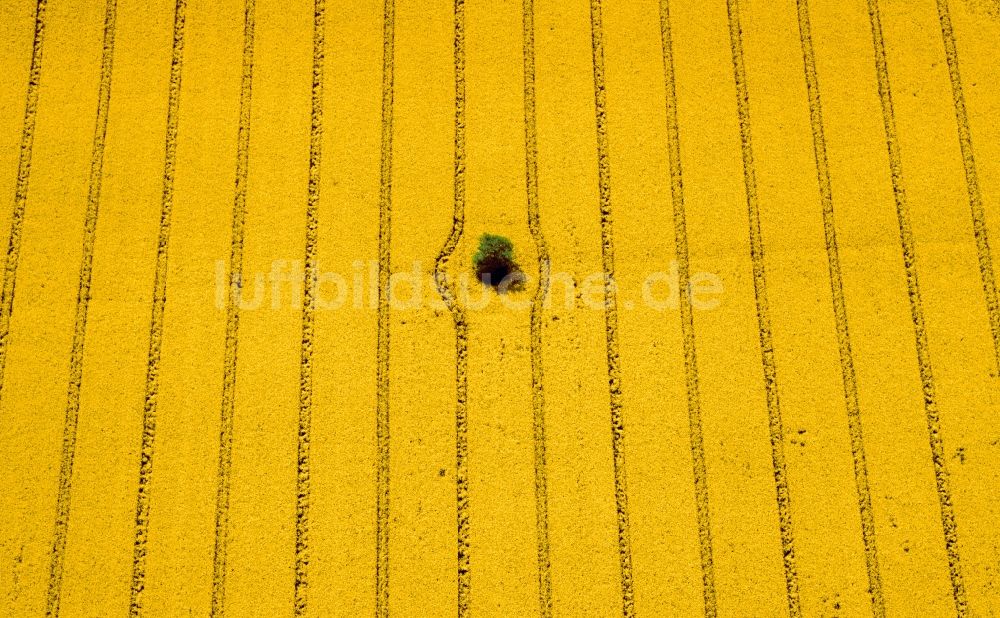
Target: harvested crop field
(553,307)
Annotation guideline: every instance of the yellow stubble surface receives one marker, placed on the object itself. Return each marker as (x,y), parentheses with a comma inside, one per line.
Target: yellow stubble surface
(37,372)
(908,521)
(665,533)
(344,381)
(98,565)
(581,507)
(825,503)
(422,512)
(260,558)
(747,545)
(667,561)
(907,516)
(977,26)
(501,447)
(17,35)
(957,321)
(182,510)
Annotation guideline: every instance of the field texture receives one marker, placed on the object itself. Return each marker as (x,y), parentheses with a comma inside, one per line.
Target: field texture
(749,366)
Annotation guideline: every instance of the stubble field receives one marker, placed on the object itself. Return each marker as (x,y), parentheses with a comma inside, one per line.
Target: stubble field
(247,369)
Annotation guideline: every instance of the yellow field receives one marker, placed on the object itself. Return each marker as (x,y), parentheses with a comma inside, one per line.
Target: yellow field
(753,368)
